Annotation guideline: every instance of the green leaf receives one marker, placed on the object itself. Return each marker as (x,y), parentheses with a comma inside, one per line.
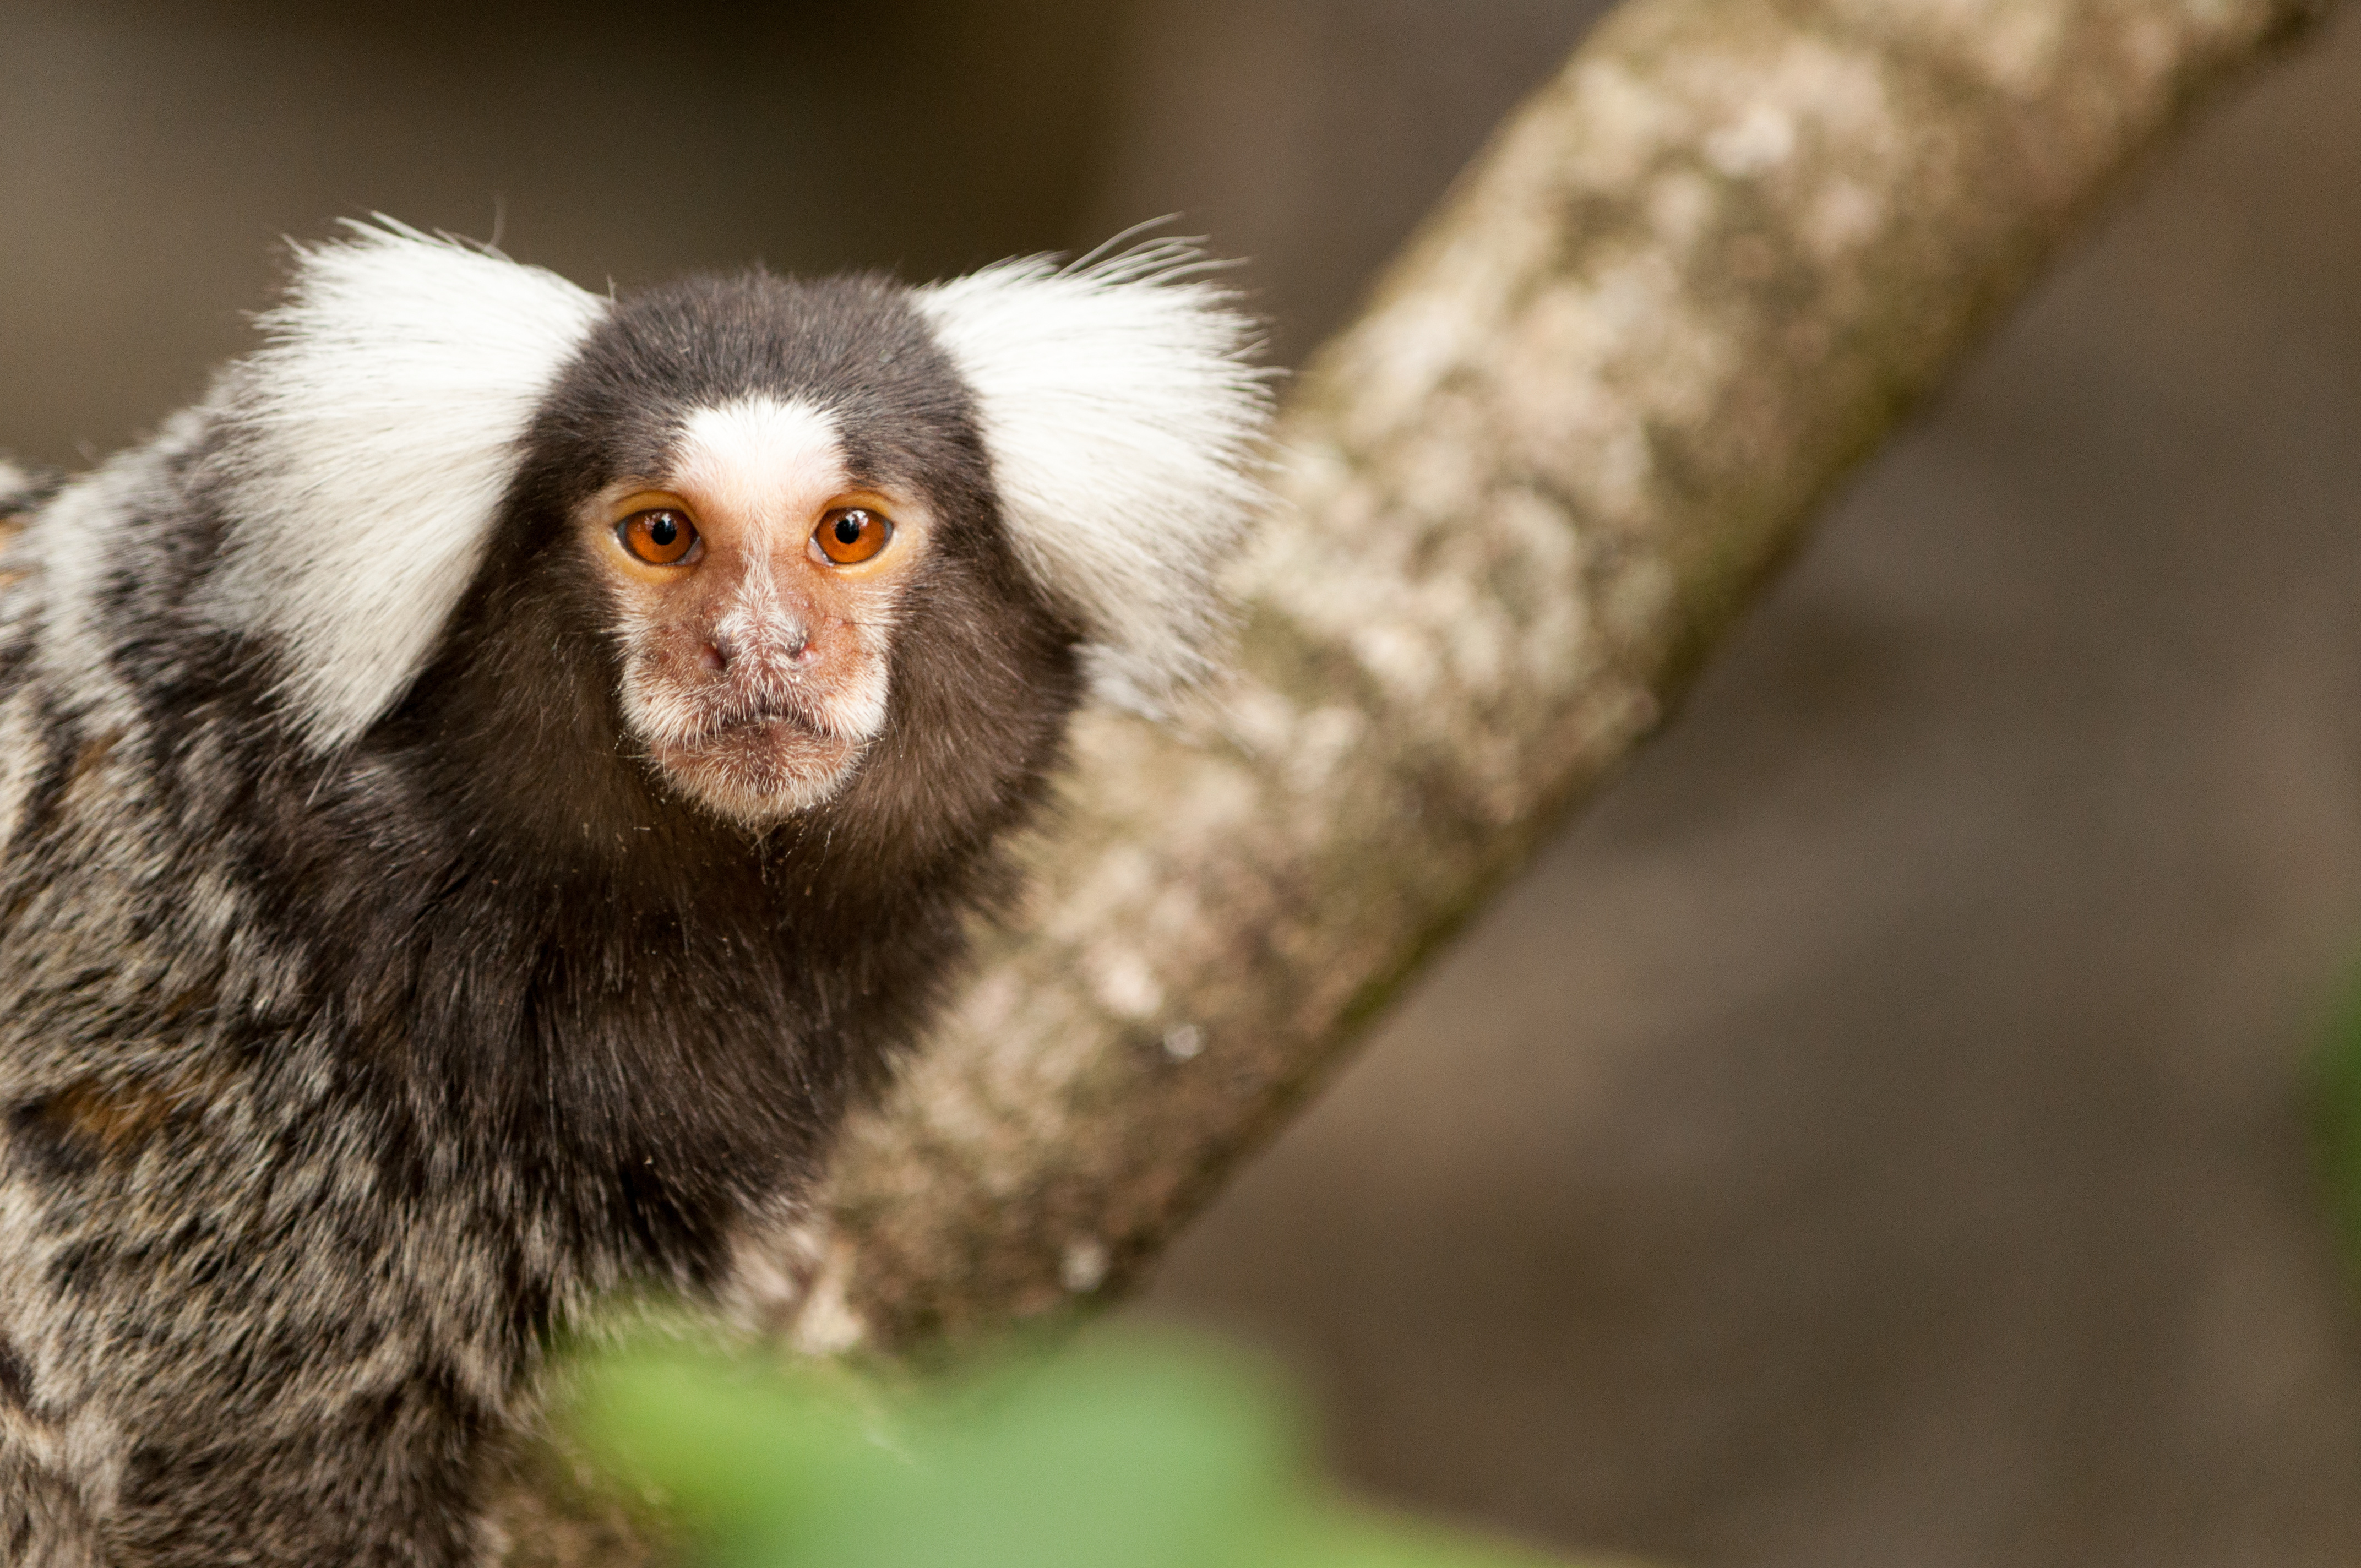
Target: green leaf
(1123,1452)
(2336,1106)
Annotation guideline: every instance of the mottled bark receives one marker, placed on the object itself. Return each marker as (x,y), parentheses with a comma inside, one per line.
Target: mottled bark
(1688,286)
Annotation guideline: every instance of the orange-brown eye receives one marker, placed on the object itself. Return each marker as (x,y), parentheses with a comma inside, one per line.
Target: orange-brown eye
(662,537)
(852,534)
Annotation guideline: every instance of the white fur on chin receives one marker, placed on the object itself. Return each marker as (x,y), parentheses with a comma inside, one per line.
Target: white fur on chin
(760,774)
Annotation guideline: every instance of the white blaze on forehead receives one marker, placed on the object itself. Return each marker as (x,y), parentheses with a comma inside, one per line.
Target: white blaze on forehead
(765,463)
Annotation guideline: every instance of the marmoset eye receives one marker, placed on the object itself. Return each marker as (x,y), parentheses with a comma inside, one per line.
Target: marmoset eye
(660,537)
(850,535)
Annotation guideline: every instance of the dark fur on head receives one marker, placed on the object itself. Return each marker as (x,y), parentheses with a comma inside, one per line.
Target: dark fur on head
(702,999)
(336,1076)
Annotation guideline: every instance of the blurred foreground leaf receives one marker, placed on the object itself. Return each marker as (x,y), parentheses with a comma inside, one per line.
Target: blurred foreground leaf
(1122,1454)
(2336,1116)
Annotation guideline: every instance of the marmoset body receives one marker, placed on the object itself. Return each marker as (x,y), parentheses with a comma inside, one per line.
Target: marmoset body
(480,795)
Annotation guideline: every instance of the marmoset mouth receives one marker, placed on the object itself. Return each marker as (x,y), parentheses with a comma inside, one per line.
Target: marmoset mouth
(761,766)
(755,751)
(736,715)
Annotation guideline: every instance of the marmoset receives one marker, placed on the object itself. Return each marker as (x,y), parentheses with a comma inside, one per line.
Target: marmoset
(482,792)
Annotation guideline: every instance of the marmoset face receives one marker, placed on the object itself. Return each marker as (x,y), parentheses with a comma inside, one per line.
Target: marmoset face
(757,591)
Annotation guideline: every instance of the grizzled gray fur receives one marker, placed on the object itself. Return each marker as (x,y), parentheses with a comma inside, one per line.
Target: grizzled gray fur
(376,987)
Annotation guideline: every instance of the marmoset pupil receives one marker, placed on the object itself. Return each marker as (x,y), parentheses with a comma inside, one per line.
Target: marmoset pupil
(663,531)
(848,531)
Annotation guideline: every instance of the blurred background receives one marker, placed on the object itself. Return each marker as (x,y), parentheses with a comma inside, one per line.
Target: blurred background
(1873,1133)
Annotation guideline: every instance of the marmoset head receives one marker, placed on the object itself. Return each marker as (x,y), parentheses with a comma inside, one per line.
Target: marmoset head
(789,526)
(756,586)
(762,489)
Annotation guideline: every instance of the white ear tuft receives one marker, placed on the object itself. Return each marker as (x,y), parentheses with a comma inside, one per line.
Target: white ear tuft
(372,442)
(1123,419)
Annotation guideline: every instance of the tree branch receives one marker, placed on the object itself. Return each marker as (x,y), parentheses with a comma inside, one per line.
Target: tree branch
(1688,287)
